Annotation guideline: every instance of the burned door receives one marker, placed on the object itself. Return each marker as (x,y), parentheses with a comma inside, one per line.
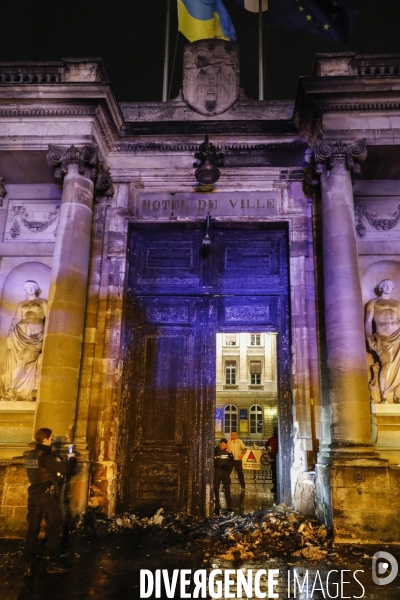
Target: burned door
(165,382)
(177,299)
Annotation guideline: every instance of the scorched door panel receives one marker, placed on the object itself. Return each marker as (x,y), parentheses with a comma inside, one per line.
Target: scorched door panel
(162,385)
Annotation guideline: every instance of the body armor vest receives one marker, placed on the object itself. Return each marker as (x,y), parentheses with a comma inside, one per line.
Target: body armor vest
(223,459)
(36,472)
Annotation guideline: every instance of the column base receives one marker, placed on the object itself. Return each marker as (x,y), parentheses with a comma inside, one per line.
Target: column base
(349,454)
(356,495)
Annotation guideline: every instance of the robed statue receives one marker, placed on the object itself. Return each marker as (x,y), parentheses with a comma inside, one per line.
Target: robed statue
(382,330)
(19,380)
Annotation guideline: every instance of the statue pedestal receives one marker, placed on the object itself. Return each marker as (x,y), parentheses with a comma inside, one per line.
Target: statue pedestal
(16,424)
(385,419)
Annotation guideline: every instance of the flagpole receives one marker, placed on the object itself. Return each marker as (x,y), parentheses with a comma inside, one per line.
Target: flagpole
(166,53)
(260,54)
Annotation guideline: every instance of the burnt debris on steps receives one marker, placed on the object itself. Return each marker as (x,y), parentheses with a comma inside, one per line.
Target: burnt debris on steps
(262,533)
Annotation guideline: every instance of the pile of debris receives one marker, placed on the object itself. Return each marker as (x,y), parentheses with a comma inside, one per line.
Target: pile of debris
(257,534)
(272,532)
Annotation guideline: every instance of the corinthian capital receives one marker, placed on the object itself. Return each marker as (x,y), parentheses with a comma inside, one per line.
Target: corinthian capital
(327,152)
(86,158)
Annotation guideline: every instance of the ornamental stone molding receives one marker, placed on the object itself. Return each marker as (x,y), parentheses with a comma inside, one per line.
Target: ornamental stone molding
(88,161)
(103,183)
(377,223)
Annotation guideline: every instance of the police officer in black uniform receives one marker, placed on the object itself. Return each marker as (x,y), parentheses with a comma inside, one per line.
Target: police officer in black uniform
(44,471)
(223,463)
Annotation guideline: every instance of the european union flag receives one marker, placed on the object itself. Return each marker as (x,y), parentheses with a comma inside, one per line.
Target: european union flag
(201,19)
(332,20)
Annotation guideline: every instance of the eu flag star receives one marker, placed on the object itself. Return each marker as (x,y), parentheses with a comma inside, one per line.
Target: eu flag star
(331,19)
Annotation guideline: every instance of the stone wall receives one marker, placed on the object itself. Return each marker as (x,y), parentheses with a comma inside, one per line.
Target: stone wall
(13,497)
(366,504)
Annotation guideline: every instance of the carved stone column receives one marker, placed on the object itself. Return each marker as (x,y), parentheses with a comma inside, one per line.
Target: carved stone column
(82,172)
(346,357)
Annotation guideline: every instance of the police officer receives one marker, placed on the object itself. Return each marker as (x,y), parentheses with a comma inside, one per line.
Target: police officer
(44,471)
(223,462)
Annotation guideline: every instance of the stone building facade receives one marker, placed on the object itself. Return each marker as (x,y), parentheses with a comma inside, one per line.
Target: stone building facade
(246,386)
(101,209)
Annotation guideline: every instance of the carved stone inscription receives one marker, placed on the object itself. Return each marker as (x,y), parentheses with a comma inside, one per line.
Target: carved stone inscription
(218,204)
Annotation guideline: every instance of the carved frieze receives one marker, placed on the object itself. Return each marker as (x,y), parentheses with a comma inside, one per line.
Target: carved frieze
(32,221)
(381,216)
(251,314)
(167,314)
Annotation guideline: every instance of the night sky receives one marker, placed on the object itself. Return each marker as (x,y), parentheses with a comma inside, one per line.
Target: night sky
(129,36)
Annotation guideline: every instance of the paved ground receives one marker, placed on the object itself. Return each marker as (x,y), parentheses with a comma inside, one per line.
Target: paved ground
(109,568)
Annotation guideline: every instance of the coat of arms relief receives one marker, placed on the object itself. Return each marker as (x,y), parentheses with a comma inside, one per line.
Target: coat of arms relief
(211,76)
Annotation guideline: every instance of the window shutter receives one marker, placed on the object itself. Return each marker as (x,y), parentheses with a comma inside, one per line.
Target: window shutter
(255,366)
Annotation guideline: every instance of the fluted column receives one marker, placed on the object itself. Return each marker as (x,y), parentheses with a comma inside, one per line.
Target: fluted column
(345,339)
(82,172)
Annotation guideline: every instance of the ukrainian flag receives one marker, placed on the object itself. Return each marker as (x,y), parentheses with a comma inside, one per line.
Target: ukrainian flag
(200,19)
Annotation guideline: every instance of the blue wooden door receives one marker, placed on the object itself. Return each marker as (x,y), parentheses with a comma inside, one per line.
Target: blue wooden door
(177,299)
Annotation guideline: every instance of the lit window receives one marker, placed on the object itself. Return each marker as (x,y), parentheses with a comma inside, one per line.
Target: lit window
(230,373)
(255,339)
(230,339)
(255,372)
(256,419)
(231,418)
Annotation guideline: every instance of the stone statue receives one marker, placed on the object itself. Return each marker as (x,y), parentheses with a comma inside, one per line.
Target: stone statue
(19,380)
(382,329)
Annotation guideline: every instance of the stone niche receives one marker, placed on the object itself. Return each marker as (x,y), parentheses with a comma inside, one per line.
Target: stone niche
(16,416)
(385,418)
